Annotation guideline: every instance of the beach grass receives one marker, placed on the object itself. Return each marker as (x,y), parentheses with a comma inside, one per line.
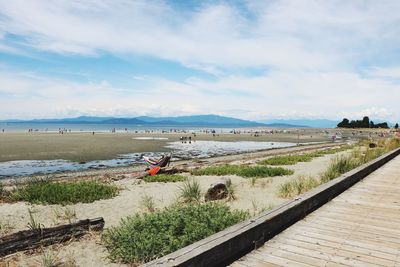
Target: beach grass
(297,186)
(5,227)
(144,237)
(190,191)
(231,190)
(147,203)
(359,156)
(244,171)
(164,178)
(338,165)
(294,159)
(47,192)
(3,192)
(286,160)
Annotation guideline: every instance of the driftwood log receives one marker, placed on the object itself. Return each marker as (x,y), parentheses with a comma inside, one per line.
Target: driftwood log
(217,191)
(30,239)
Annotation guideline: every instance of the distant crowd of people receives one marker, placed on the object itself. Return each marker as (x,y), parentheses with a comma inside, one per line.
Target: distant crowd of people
(187,139)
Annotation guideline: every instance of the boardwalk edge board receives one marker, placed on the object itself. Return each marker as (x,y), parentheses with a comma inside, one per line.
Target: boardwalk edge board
(236,241)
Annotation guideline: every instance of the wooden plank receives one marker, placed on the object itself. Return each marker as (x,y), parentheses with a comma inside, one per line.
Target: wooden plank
(331,244)
(361,233)
(253,262)
(377,228)
(362,211)
(330,236)
(282,259)
(347,234)
(339,253)
(347,225)
(295,254)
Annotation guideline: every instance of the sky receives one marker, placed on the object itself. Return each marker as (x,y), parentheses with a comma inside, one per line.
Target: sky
(255,60)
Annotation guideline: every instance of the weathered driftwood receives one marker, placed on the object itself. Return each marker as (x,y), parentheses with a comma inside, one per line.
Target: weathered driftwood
(30,239)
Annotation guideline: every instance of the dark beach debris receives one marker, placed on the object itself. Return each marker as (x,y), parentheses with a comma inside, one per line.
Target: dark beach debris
(34,238)
(217,191)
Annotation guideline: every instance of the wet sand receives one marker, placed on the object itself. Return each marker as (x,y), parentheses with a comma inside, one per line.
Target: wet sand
(83,147)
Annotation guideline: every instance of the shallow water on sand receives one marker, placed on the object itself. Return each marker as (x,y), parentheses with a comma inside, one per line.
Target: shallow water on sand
(179,150)
(205,149)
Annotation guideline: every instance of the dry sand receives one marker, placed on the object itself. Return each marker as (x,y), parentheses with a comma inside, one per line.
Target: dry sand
(89,251)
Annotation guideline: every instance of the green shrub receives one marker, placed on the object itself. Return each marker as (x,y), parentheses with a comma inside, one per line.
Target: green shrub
(164,178)
(244,171)
(190,191)
(47,192)
(297,186)
(145,237)
(217,170)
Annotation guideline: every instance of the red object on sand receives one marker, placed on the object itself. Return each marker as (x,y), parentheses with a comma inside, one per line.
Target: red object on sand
(154,171)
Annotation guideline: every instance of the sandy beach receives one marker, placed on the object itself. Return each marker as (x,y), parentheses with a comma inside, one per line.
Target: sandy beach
(81,147)
(88,251)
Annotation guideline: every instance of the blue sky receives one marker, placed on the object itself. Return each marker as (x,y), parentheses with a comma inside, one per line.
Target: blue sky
(248,59)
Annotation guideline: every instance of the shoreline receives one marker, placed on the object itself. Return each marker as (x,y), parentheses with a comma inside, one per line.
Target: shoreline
(91,174)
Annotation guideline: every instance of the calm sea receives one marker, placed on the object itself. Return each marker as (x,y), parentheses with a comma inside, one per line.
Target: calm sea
(79,127)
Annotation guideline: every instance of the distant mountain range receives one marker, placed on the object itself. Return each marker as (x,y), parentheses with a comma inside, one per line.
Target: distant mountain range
(312,123)
(195,120)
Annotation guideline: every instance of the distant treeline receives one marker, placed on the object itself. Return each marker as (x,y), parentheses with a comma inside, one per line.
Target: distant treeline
(364,123)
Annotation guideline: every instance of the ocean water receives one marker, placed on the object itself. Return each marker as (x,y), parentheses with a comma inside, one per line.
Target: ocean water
(179,150)
(80,127)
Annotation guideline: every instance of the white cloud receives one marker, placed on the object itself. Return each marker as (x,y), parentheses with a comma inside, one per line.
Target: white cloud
(277,94)
(310,51)
(280,34)
(388,72)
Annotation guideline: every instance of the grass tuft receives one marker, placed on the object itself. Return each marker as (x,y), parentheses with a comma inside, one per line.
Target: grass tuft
(244,171)
(231,190)
(47,192)
(67,214)
(190,191)
(339,166)
(5,227)
(297,186)
(33,223)
(286,160)
(362,155)
(49,259)
(144,237)
(148,204)
(294,159)
(164,178)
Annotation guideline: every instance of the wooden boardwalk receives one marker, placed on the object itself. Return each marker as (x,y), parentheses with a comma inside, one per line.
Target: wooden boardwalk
(360,227)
